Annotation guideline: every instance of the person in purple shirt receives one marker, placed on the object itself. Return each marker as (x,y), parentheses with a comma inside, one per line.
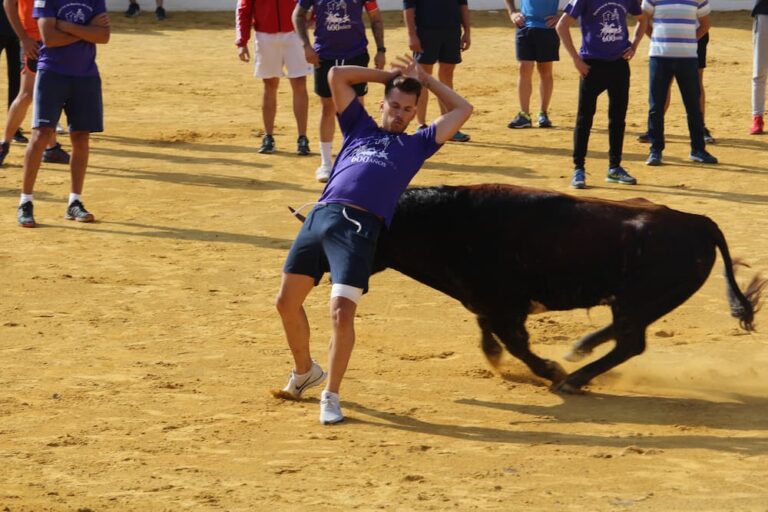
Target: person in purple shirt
(339,40)
(603,63)
(67,79)
(339,235)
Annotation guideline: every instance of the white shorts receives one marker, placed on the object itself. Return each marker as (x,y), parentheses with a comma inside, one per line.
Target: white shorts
(275,52)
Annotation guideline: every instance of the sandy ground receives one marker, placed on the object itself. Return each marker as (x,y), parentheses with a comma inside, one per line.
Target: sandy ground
(137,352)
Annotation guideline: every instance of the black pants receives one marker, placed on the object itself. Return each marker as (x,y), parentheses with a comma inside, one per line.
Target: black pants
(12,55)
(603,75)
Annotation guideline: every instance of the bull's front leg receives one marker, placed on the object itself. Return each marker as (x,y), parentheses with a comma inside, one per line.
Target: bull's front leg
(514,336)
(488,343)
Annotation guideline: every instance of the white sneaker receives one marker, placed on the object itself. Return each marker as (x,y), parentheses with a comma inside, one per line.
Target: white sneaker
(330,410)
(60,129)
(297,383)
(323,173)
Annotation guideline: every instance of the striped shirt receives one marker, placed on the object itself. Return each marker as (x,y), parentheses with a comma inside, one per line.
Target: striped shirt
(674,26)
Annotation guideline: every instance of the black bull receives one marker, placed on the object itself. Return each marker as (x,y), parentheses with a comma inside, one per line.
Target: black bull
(506,252)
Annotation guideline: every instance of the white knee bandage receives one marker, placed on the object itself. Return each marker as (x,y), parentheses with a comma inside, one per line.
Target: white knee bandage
(346,291)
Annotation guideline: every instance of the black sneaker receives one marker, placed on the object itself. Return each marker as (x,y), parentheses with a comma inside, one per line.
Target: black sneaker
(644,138)
(76,211)
(521,120)
(302,145)
(654,158)
(267,144)
(159,14)
(702,157)
(56,155)
(5,147)
(25,215)
(19,137)
(133,10)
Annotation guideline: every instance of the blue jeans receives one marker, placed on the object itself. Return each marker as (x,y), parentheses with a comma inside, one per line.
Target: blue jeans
(686,72)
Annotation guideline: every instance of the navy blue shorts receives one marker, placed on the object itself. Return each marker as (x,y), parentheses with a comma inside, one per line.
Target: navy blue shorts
(338,238)
(78,96)
(537,44)
(439,45)
(322,88)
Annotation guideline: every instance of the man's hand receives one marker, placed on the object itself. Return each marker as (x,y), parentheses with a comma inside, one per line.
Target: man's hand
(552,21)
(629,53)
(100,20)
(466,41)
(31,48)
(405,65)
(379,60)
(581,66)
(414,43)
(243,53)
(311,56)
(518,19)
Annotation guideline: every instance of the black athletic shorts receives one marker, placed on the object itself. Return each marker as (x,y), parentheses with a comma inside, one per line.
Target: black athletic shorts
(439,45)
(322,88)
(702,51)
(537,44)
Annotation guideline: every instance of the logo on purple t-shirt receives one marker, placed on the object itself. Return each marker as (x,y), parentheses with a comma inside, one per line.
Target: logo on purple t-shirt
(339,30)
(78,58)
(603,26)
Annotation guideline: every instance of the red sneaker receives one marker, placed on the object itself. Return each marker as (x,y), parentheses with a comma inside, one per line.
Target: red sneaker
(757,125)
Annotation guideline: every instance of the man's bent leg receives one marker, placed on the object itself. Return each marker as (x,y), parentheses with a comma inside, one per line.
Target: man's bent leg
(342,340)
(294,288)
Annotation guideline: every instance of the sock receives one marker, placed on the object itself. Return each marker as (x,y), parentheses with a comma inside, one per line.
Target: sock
(326,150)
(73,197)
(25,198)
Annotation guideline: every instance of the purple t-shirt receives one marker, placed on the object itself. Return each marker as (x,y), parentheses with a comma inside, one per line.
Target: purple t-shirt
(339,28)
(78,58)
(375,166)
(603,26)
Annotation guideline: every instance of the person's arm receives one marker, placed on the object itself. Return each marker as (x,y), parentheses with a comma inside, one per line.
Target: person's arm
(514,15)
(53,36)
(243,21)
(466,39)
(457,108)
(97,31)
(704,25)
(30,47)
(299,19)
(564,31)
(377,27)
(409,16)
(342,80)
(640,29)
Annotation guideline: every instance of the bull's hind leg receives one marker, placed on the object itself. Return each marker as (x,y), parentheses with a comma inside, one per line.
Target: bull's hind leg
(489,344)
(514,336)
(587,344)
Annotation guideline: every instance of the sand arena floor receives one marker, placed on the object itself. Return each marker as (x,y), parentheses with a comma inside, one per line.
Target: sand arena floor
(137,352)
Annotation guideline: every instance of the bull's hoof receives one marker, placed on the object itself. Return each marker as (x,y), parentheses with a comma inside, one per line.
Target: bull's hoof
(494,359)
(557,373)
(567,389)
(576,354)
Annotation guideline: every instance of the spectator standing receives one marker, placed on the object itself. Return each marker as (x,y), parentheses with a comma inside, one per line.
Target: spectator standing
(759,64)
(134,10)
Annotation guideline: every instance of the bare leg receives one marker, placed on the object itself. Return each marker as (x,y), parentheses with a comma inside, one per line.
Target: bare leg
(445,75)
(327,120)
(300,103)
(547,84)
(342,340)
(421,108)
(33,156)
(79,161)
(294,288)
(525,85)
(269,104)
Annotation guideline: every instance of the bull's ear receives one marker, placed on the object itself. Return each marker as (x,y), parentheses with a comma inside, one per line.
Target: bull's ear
(297,214)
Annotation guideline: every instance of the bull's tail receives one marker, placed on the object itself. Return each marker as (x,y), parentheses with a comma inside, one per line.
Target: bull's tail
(743,305)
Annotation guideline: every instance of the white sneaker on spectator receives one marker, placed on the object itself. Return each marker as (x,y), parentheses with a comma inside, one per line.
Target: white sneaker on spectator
(298,383)
(60,129)
(330,410)
(323,173)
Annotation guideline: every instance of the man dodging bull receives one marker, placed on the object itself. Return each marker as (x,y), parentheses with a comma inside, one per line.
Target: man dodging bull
(340,233)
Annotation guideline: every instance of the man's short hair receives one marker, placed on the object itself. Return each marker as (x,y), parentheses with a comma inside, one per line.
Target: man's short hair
(405,84)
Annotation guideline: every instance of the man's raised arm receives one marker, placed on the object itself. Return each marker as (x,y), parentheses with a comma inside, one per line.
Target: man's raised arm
(342,78)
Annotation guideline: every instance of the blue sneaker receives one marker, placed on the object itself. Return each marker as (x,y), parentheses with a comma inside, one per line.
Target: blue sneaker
(5,147)
(543,120)
(654,159)
(703,157)
(521,120)
(620,175)
(460,137)
(421,127)
(579,179)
